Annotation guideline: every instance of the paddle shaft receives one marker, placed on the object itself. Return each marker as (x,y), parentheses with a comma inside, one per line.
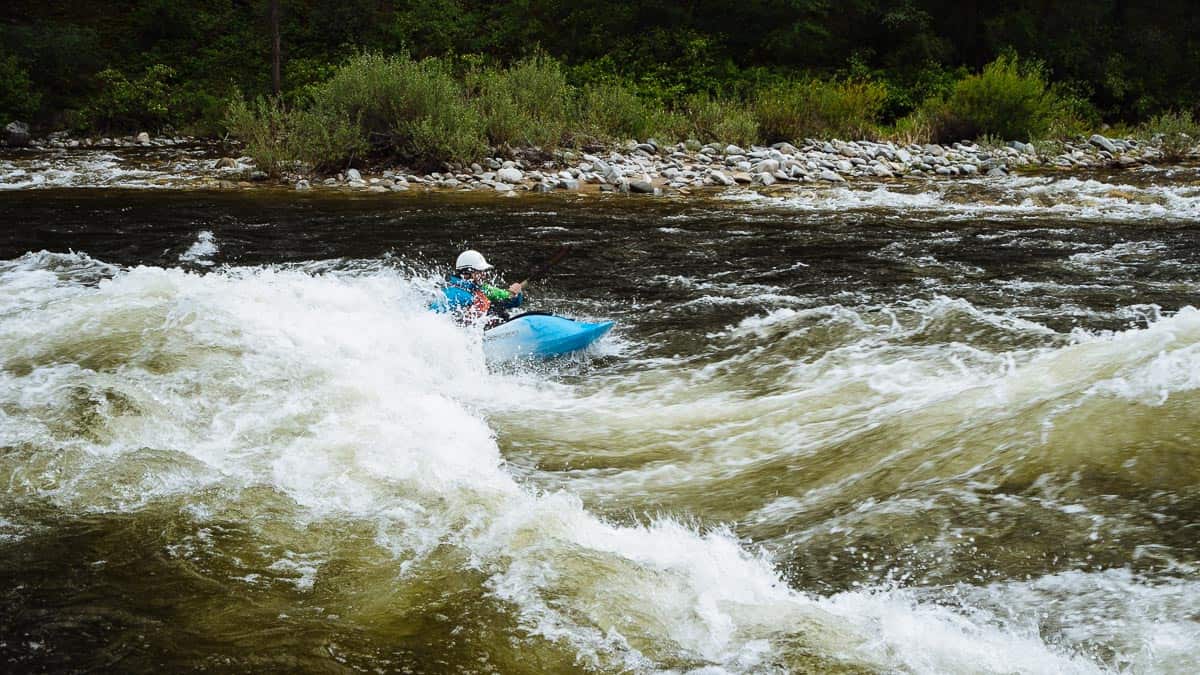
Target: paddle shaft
(544,269)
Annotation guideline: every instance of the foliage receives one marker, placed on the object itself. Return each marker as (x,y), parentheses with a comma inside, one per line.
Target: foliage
(613,111)
(18,100)
(529,103)
(125,104)
(415,108)
(712,119)
(1008,99)
(799,109)
(1176,133)
(281,139)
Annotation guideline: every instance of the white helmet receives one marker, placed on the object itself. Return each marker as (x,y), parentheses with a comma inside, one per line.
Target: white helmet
(471,260)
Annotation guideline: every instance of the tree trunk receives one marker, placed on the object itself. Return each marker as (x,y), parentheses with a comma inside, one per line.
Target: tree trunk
(275,77)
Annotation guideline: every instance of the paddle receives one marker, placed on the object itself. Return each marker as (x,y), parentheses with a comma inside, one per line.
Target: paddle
(544,269)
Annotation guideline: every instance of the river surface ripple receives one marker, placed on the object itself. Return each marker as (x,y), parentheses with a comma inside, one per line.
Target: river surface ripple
(945,427)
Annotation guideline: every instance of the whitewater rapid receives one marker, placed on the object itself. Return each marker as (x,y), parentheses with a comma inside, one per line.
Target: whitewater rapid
(303,400)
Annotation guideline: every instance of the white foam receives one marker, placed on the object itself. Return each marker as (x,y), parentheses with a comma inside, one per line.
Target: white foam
(343,394)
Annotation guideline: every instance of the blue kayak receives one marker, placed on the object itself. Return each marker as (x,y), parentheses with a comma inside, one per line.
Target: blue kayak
(538,335)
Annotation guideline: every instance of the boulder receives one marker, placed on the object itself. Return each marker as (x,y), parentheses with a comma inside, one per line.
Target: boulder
(143,138)
(1103,143)
(226,163)
(831,176)
(734,150)
(16,134)
(303,185)
(641,187)
(510,175)
(353,175)
(718,178)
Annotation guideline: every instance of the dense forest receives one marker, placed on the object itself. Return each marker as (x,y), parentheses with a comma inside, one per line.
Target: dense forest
(138,64)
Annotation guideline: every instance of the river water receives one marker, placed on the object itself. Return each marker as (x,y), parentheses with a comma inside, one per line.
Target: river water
(928,428)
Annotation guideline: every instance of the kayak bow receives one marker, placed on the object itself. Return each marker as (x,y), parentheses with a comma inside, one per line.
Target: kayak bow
(540,335)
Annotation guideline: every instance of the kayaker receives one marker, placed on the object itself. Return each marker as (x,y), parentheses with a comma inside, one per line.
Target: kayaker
(469,295)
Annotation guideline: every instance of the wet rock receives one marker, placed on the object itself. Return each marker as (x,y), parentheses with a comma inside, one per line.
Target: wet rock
(16,134)
(510,174)
(742,178)
(569,184)
(226,163)
(493,163)
(142,138)
(647,148)
(303,185)
(882,171)
(764,179)
(767,166)
(641,187)
(1103,143)
(542,187)
(831,176)
(732,149)
(353,175)
(377,188)
(501,187)
(258,176)
(718,178)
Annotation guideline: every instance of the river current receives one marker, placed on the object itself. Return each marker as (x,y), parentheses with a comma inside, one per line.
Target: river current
(945,427)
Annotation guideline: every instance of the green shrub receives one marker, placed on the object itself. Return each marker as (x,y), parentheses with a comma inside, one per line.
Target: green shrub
(394,106)
(613,111)
(712,119)
(125,104)
(281,139)
(792,111)
(1176,133)
(18,100)
(527,104)
(1008,99)
(913,128)
(416,110)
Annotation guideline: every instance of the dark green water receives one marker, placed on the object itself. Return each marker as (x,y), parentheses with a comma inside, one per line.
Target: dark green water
(938,428)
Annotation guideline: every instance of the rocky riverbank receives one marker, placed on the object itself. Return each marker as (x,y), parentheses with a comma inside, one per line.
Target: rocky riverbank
(635,167)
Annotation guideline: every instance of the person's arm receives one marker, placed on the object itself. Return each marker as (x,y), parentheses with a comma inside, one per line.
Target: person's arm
(512,297)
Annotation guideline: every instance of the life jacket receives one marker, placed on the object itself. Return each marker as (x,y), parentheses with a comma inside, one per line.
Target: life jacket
(478,304)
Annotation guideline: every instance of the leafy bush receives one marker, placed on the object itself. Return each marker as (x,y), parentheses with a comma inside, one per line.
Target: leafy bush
(914,128)
(18,100)
(712,119)
(613,111)
(386,105)
(1177,133)
(1008,99)
(125,104)
(792,111)
(527,104)
(414,109)
(281,139)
